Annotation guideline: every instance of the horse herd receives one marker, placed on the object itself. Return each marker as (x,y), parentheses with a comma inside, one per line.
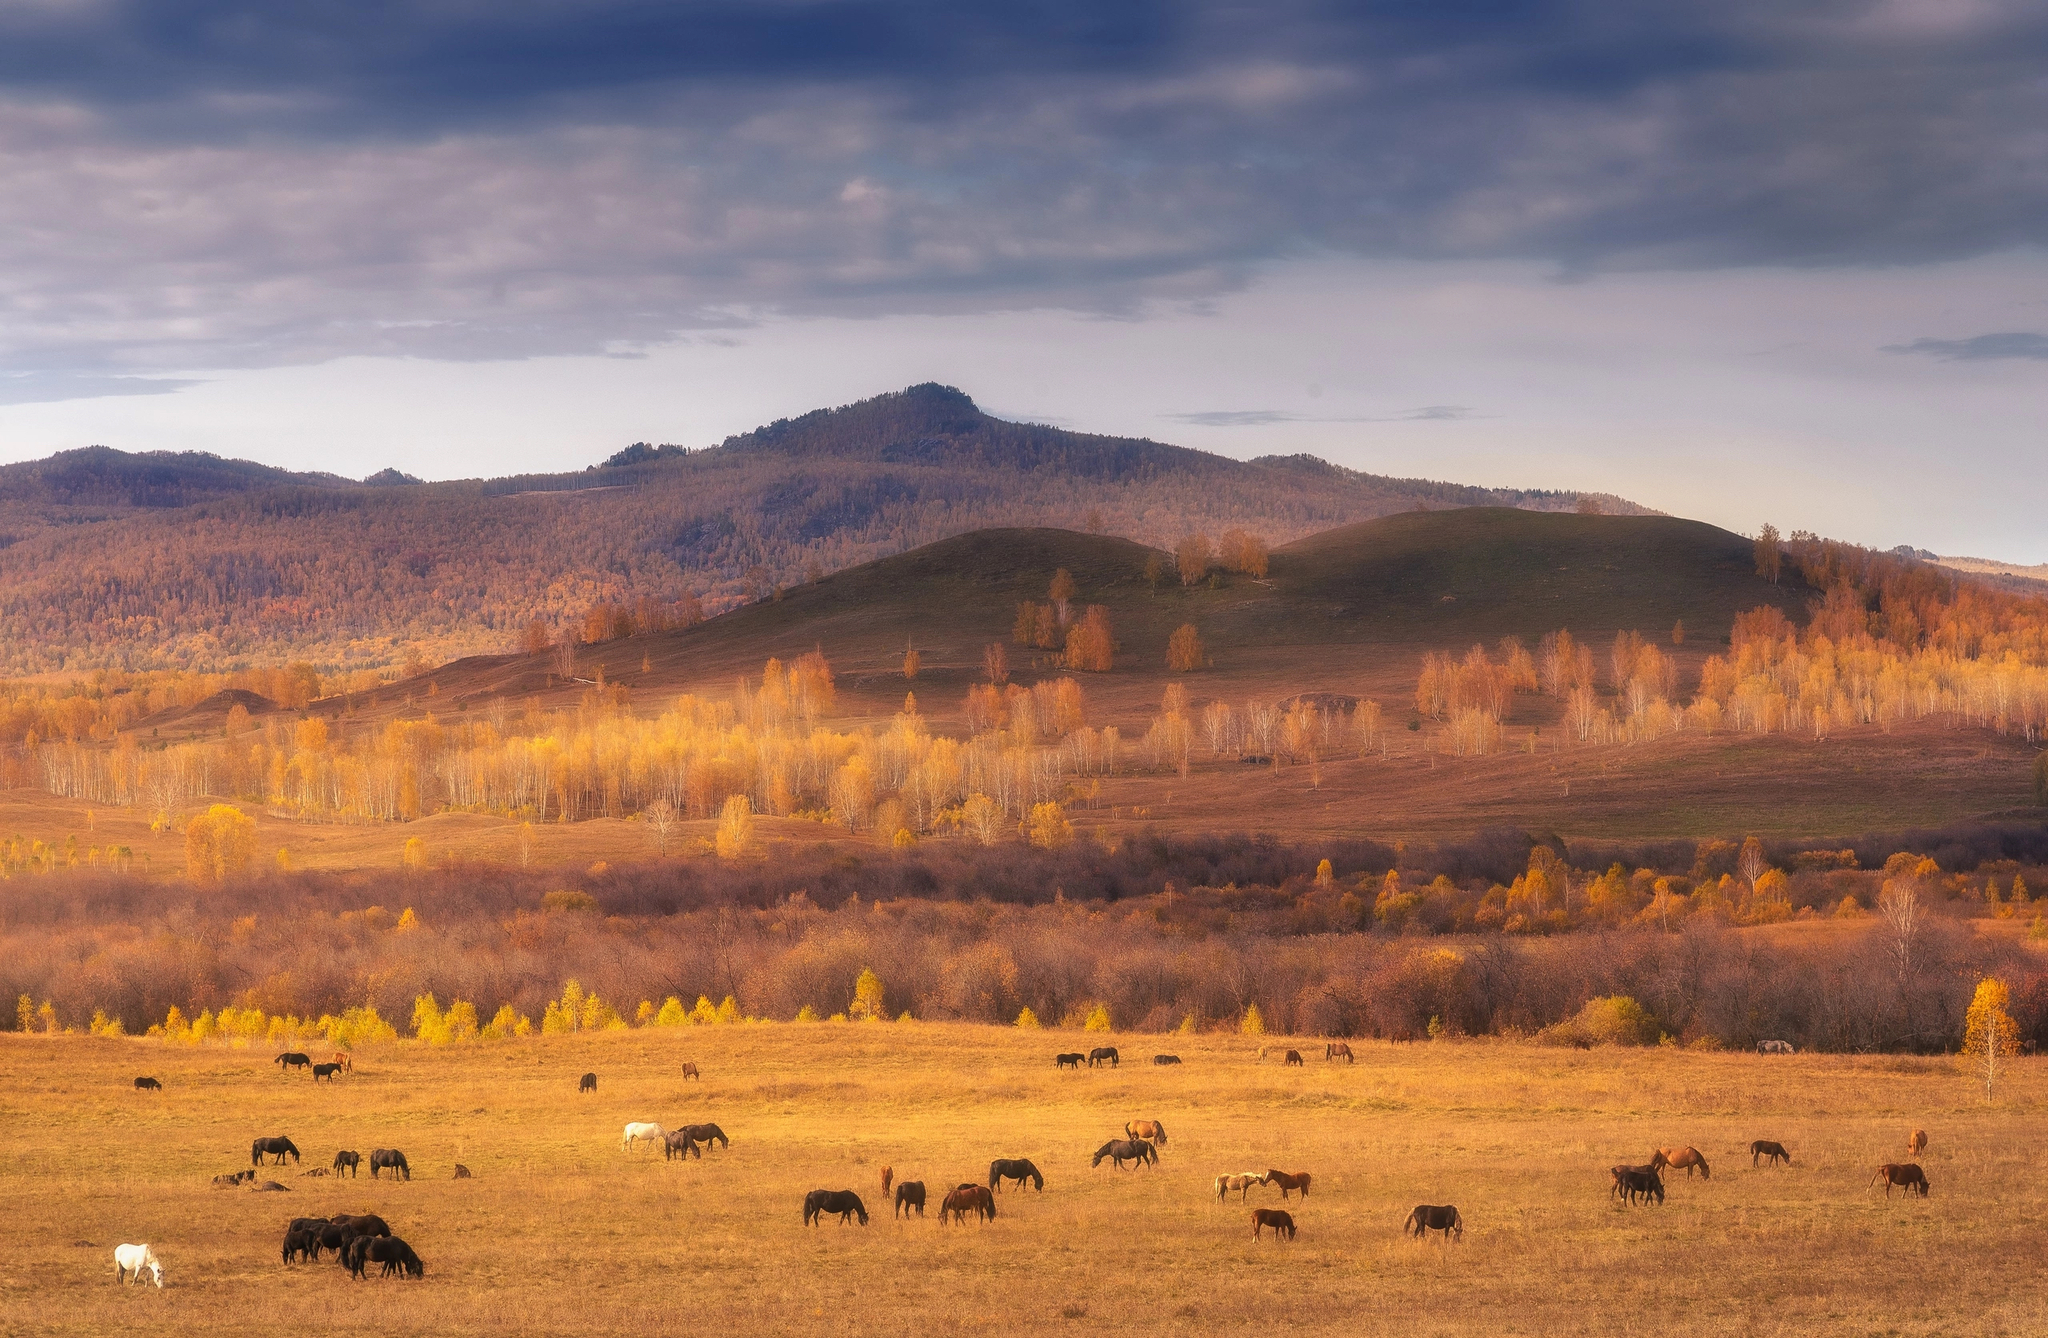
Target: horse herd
(1645,1183)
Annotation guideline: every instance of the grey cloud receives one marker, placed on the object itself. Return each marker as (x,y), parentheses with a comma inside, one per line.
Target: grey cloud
(1428,413)
(47,387)
(1234,417)
(1979,348)
(215,184)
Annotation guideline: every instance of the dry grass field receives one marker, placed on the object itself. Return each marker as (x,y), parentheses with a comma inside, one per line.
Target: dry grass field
(562,1233)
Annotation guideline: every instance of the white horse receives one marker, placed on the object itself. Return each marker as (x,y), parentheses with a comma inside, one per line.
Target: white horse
(1242,1183)
(130,1260)
(653,1133)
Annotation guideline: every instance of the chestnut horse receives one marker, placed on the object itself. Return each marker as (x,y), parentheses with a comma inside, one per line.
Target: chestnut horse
(1281,1222)
(1917,1144)
(967,1199)
(888,1178)
(1764,1147)
(1337,1049)
(1430,1217)
(1289,1183)
(1152,1131)
(1677,1158)
(690,1070)
(1908,1177)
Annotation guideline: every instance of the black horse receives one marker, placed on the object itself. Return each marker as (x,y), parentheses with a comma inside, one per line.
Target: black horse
(910,1194)
(1103,1054)
(1071,1060)
(1018,1169)
(392,1159)
(1120,1150)
(588,1083)
(842,1201)
(302,1242)
(275,1147)
(394,1254)
(1637,1182)
(707,1133)
(350,1161)
(678,1143)
(326,1071)
(333,1237)
(1166,1059)
(292,1059)
(148,1085)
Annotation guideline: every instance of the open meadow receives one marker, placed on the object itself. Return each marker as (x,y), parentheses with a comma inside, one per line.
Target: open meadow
(561,1232)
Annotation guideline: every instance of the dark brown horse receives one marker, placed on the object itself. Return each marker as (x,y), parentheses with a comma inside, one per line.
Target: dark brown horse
(707,1133)
(1289,1183)
(1431,1217)
(148,1085)
(587,1083)
(350,1161)
(842,1201)
(965,1199)
(690,1070)
(1764,1147)
(1104,1054)
(292,1059)
(1907,1176)
(390,1159)
(1121,1150)
(1293,1058)
(1633,1182)
(272,1147)
(910,1194)
(326,1071)
(1280,1220)
(1071,1060)
(678,1143)
(1019,1169)
(1337,1050)
(363,1224)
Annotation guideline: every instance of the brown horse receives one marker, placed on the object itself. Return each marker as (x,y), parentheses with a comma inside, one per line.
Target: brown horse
(1430,1217)
(1293,1059)
(910,1194)
(342,1062)
(1764,1147)
(690,1070)
(1281,1222)
(966,1199)
(1152,1131)
(1917,1144)
(1339,1049)
(1908,1177)
(888,1179)
(1681,1159)
(1289,1183)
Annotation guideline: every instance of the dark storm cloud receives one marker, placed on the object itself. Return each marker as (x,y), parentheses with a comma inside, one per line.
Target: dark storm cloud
(1979,348)
(248,184)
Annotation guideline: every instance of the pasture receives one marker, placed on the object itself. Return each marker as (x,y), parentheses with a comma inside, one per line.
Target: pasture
(560,1232)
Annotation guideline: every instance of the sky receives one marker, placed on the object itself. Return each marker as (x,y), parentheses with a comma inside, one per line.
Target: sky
(1747,262)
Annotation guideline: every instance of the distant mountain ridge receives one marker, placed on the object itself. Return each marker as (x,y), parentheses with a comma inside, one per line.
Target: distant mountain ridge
(187,560)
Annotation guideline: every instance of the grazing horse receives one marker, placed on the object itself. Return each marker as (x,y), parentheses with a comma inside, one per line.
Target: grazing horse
(1120,1150)
(148,1085)
(690,1070)
(276,1147)
(842,1201)
(1917,1144)
(909,1194)
(1241,1182)
(1633,1182)
(230,1181)
(130,1260)
(352,1161)
(587,1083)
(678,1143)
(326,1071)
(1908,1177)
(462,1172)
(363,1224)
(394,1254)
(1103,1054)
(1764,1147)
(1068,1061)
(1019,1169)
(344,1061)
(967,1199)
(1339,1048)
(301,1241)
(1288,1183)
(707,1133)
(1282,1222)
(1152,1131)
(1293,1059)
(1166,1059)
(1429,1217)
(392,1159)
(1775,1048)
(888,1179)
(653,1133)
(1675,1158)
(292,1059)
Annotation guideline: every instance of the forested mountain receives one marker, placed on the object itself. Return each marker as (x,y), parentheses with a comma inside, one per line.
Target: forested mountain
(189,561)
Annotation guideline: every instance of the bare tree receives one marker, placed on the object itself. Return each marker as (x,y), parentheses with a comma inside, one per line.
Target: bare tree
(1899,904)
(661,815)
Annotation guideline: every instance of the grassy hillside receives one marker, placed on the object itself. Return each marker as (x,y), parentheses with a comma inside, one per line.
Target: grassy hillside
(188,561)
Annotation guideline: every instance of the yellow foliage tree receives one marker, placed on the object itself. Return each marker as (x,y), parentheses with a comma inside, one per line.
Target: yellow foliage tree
(1990,1035)
(1098,1019)
(735,827)
(1194,555)
(1027,1019)
(1184,649)
(1254,1023)
(868,998)
(1049,827)
(219,844)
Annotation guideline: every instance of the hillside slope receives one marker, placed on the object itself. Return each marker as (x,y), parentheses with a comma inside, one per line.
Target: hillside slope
(179,561)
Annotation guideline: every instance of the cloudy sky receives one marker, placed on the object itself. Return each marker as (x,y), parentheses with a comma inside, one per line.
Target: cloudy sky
(1745,261)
